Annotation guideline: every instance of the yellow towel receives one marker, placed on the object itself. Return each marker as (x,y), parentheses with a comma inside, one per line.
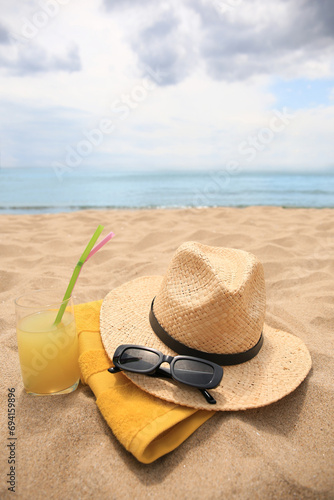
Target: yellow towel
(148,427)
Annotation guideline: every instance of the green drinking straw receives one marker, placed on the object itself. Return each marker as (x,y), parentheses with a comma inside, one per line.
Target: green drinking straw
(76,273)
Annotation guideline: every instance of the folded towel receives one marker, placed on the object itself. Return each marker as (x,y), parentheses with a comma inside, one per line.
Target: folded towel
(148,427)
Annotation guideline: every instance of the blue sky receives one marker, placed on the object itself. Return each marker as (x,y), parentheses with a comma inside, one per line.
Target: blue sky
(150,84)
(303,93)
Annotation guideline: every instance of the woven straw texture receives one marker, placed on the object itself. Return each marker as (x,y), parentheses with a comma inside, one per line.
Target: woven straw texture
(211,299)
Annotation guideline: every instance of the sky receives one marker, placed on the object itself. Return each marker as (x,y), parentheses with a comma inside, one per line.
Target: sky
(178,84)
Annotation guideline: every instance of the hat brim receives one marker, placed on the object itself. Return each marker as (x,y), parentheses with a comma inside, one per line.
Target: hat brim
(278,369)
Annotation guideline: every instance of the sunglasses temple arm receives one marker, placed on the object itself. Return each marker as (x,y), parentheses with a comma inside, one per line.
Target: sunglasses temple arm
(164,373)
(113,369)
(208,397)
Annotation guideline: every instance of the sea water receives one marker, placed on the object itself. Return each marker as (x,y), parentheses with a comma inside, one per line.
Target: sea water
(43,190)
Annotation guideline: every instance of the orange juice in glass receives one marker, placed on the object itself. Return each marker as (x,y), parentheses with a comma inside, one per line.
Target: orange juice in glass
(48,351)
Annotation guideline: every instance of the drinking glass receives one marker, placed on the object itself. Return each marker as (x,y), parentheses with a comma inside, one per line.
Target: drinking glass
(48,351)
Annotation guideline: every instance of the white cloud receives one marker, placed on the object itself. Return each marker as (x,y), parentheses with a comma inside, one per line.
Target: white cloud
(212,94)
(289,39)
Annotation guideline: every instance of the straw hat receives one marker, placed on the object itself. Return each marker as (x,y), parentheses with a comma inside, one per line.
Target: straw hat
(210,303)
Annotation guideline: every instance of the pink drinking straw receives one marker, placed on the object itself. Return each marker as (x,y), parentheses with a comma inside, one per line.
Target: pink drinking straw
(100,245)
(96,249)
(88,252)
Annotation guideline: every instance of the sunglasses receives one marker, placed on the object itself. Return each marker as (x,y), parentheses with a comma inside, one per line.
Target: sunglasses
(188,370)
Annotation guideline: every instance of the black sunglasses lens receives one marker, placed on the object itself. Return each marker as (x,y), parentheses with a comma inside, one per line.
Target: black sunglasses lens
(138,359)
(193,372)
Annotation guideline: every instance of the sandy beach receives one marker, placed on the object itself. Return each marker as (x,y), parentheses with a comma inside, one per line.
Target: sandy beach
(65,449)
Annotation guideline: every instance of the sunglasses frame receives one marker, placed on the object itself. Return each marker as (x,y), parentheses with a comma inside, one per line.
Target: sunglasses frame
(171,360)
